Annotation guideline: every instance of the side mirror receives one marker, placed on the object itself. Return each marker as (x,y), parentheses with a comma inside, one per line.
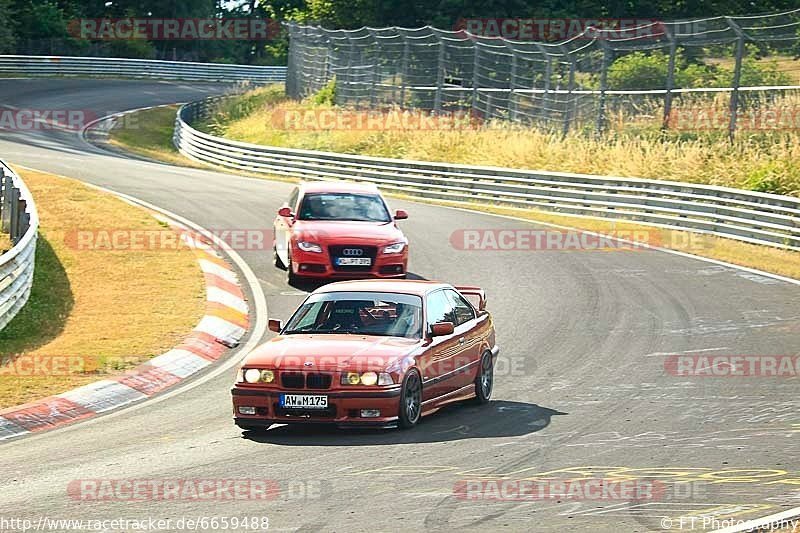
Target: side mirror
(285,212)
(400,215)
(275,325)
(440,329)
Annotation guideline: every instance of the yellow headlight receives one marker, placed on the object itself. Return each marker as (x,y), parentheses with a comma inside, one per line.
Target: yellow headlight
(267,376)
(353,378)
(369,378)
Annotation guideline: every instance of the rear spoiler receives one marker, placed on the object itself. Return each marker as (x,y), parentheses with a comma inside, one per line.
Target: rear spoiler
(467,290)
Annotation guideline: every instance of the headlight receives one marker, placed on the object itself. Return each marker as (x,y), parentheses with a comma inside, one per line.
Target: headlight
(309,247)
(395,248)
(267,376)
(252,375)
(351,378)
(369,378)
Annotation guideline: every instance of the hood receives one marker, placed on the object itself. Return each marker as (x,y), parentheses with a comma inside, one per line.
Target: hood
(331,352)
(333,231)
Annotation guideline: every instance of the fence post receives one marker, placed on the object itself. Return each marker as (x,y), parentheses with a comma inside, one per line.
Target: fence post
(737,75)
(404,71)
(375,70)
(437,101)
(673,50)
(601,106)
(570,88)
(511,95)
(548,74)
(476,64)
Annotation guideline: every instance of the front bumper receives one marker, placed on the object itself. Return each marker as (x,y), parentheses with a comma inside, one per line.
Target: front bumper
(344,407)
(320,265)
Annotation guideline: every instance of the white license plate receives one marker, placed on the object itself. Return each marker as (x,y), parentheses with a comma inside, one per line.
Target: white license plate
(303,401)
(354,261)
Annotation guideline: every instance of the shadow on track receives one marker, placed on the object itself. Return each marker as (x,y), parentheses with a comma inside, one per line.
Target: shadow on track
(497,419)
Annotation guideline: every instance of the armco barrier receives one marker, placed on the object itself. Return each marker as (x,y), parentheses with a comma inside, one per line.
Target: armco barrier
(136,68)
(20,220)
(753,217)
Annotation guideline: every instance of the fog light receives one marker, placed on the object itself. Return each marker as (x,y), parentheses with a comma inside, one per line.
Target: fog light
(247,410)
(370,413)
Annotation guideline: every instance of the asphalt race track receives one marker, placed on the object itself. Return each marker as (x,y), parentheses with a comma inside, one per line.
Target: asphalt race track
(580,390)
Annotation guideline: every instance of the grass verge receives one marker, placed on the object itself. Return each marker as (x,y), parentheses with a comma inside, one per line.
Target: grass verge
(107,310)
(781,262)
(5,243)
(148,133)
(765,161)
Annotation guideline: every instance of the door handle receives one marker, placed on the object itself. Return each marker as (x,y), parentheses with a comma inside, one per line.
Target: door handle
(461,340)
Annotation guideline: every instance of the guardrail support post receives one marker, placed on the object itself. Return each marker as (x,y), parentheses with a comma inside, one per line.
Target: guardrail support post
(5,198)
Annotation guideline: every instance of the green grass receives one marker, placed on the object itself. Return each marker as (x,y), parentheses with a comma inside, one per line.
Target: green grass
(148,133)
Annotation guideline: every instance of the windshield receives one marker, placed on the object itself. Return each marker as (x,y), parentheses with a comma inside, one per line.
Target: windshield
(364,313)
(344,206)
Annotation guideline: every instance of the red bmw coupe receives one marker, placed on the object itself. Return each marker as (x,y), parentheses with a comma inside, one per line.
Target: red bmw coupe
(339,230)
(370,353)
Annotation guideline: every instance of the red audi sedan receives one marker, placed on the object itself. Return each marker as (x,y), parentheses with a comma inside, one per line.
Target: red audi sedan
(370,353)
(339,230)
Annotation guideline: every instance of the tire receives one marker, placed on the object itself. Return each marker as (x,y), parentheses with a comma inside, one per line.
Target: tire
(484,381)
(410,400)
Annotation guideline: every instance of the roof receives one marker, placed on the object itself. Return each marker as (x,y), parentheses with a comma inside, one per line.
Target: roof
(402,286)
(338,186)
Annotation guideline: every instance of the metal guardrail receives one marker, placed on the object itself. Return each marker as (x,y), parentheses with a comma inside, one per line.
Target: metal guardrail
(18,218)
(752,217)
(136,68)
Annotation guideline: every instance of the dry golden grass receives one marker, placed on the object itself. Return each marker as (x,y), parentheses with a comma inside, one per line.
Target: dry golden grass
(5,243)
(763,161)
(96,304)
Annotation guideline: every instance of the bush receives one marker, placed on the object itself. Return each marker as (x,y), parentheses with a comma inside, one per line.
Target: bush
(640,70)
(326,95)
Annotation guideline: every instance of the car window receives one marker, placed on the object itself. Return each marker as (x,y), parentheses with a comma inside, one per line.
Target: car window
(464,312)
(385,314)
(440,309)
(344,206)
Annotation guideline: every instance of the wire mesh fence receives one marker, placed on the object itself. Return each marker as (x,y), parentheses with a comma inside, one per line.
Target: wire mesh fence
(708,73)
